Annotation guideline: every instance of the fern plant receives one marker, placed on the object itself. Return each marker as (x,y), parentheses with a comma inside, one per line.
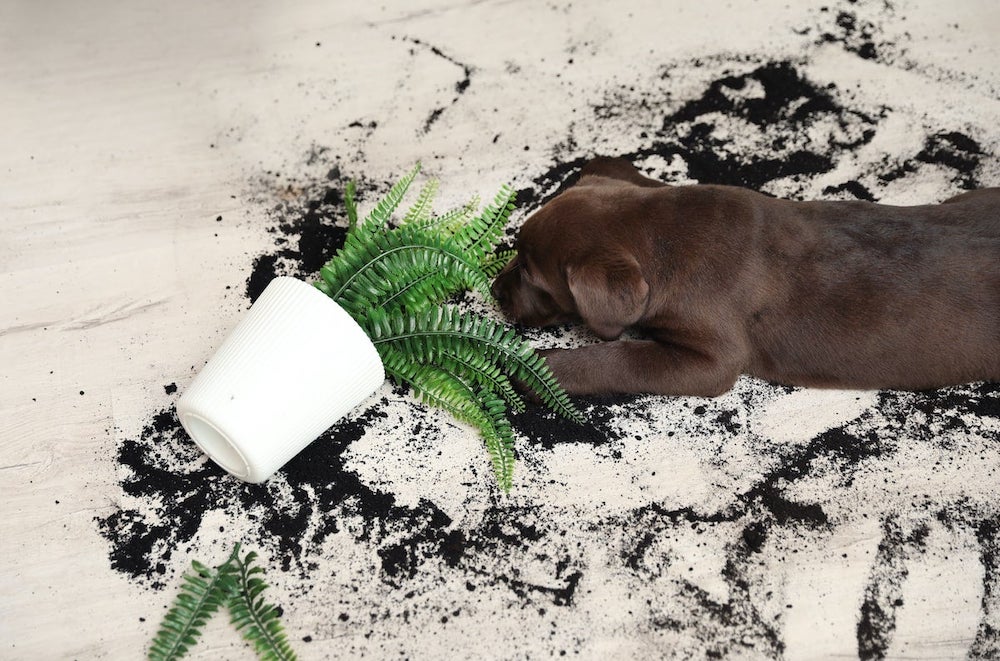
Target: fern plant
(236,583)
(394,281)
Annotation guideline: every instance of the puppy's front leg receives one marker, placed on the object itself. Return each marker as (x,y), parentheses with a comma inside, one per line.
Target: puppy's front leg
(641,366)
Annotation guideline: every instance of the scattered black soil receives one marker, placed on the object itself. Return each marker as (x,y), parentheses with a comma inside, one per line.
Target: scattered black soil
(762,124)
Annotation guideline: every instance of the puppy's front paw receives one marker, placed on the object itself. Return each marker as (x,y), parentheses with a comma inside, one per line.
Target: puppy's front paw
(566,366)
(526,393)
(553,359)
(522,388)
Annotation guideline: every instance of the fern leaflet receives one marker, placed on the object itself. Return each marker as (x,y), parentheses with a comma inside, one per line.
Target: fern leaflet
(493,264)
(485,374)
(478,237)
(256,620)
(379,216)
(421,209)
(350,205)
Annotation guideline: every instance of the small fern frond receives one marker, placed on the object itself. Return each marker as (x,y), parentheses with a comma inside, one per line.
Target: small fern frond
(429,332)
(452,390)
(394,265)
(440,388)
(378,218)
(453,220)
(480,236)
(410,292)
(350,205)
(256,620)
(499,440)
(494,263)
(485,374)
(420,212)
(202,593)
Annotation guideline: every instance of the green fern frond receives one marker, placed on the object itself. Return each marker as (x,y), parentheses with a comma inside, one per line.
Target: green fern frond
(202,593)
(378,217)
(452,390)
(234,583)
(256,620)
(455,219)
(494,263)
(485,374)
(410,292)
(478,238)
(420,212)
(433,331)
(394,265)
(349,204)
(499,442)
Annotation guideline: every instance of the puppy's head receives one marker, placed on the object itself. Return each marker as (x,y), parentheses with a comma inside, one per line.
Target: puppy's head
(572,263)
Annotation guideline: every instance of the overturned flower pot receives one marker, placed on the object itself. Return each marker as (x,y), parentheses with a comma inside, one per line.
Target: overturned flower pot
(293,366)
(305,355)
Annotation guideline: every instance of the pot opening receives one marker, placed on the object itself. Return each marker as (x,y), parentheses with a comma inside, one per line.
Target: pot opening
(216,445)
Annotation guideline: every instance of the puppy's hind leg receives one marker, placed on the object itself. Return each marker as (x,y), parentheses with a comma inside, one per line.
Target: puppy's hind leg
(641,366)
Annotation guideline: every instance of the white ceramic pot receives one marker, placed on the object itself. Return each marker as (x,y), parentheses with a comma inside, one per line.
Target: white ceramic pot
(293,366)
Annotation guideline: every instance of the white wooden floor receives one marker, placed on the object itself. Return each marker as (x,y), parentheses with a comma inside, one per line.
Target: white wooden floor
(127,129)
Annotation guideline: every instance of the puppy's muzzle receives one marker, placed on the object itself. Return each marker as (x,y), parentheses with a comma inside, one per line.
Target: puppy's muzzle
(502,291)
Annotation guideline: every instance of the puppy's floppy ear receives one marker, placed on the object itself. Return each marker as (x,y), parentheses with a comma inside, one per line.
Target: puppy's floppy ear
(609,292)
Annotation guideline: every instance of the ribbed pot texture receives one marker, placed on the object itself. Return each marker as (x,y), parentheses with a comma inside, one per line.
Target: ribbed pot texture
(294,365)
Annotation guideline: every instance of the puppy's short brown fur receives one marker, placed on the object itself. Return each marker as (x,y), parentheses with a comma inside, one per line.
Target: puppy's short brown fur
(725,281)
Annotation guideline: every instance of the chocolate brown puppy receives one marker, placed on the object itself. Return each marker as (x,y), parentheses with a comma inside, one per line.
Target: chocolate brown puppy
(725,281)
